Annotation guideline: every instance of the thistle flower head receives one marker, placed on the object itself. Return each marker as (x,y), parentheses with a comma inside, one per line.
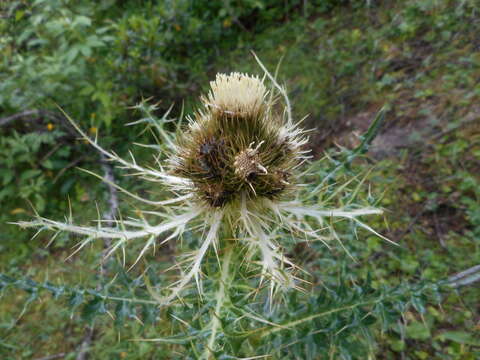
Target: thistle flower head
(233,171)
(238,145)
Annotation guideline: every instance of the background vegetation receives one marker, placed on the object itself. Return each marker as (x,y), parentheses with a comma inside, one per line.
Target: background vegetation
(341,61)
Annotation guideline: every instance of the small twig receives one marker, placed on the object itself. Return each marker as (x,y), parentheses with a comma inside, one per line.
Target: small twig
(6,120)
(52,357)
(68,166)
(87,340)
(112,200)
(468,120)
(112,190)
(110,216)
(51,152)
(411,224)
(31,115)
(438,231)
(466,277)
(28,114)
(239,23)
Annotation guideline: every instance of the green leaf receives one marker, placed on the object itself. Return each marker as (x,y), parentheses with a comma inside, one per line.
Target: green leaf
(418,331)
(82,20)
(461,337)
(122,311)
(7,176)
(19,15)
(56,291)
(418,304)
(368,137)
(149,314)
(94,308)
(28,174)
(76,299)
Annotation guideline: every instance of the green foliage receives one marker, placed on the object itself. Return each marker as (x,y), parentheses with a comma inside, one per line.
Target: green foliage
(31,173)
(22,174)
(311,330)
(95,60)
(120,297)
(48,51)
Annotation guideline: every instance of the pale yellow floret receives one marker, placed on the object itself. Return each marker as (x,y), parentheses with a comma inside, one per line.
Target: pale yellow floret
(236,93)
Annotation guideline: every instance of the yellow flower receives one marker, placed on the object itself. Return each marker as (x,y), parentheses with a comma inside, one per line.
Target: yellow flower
(17,211)
(227,23)
(356,34)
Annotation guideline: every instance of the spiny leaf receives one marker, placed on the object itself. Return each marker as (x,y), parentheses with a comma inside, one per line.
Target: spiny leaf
(92,302)
(94,308)
(368,137)
(122,311)
(76,299)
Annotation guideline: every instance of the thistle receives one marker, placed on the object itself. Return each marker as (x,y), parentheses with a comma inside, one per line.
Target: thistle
(235,171)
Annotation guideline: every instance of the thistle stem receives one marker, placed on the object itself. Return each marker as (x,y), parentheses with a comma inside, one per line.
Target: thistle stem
(220,298)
